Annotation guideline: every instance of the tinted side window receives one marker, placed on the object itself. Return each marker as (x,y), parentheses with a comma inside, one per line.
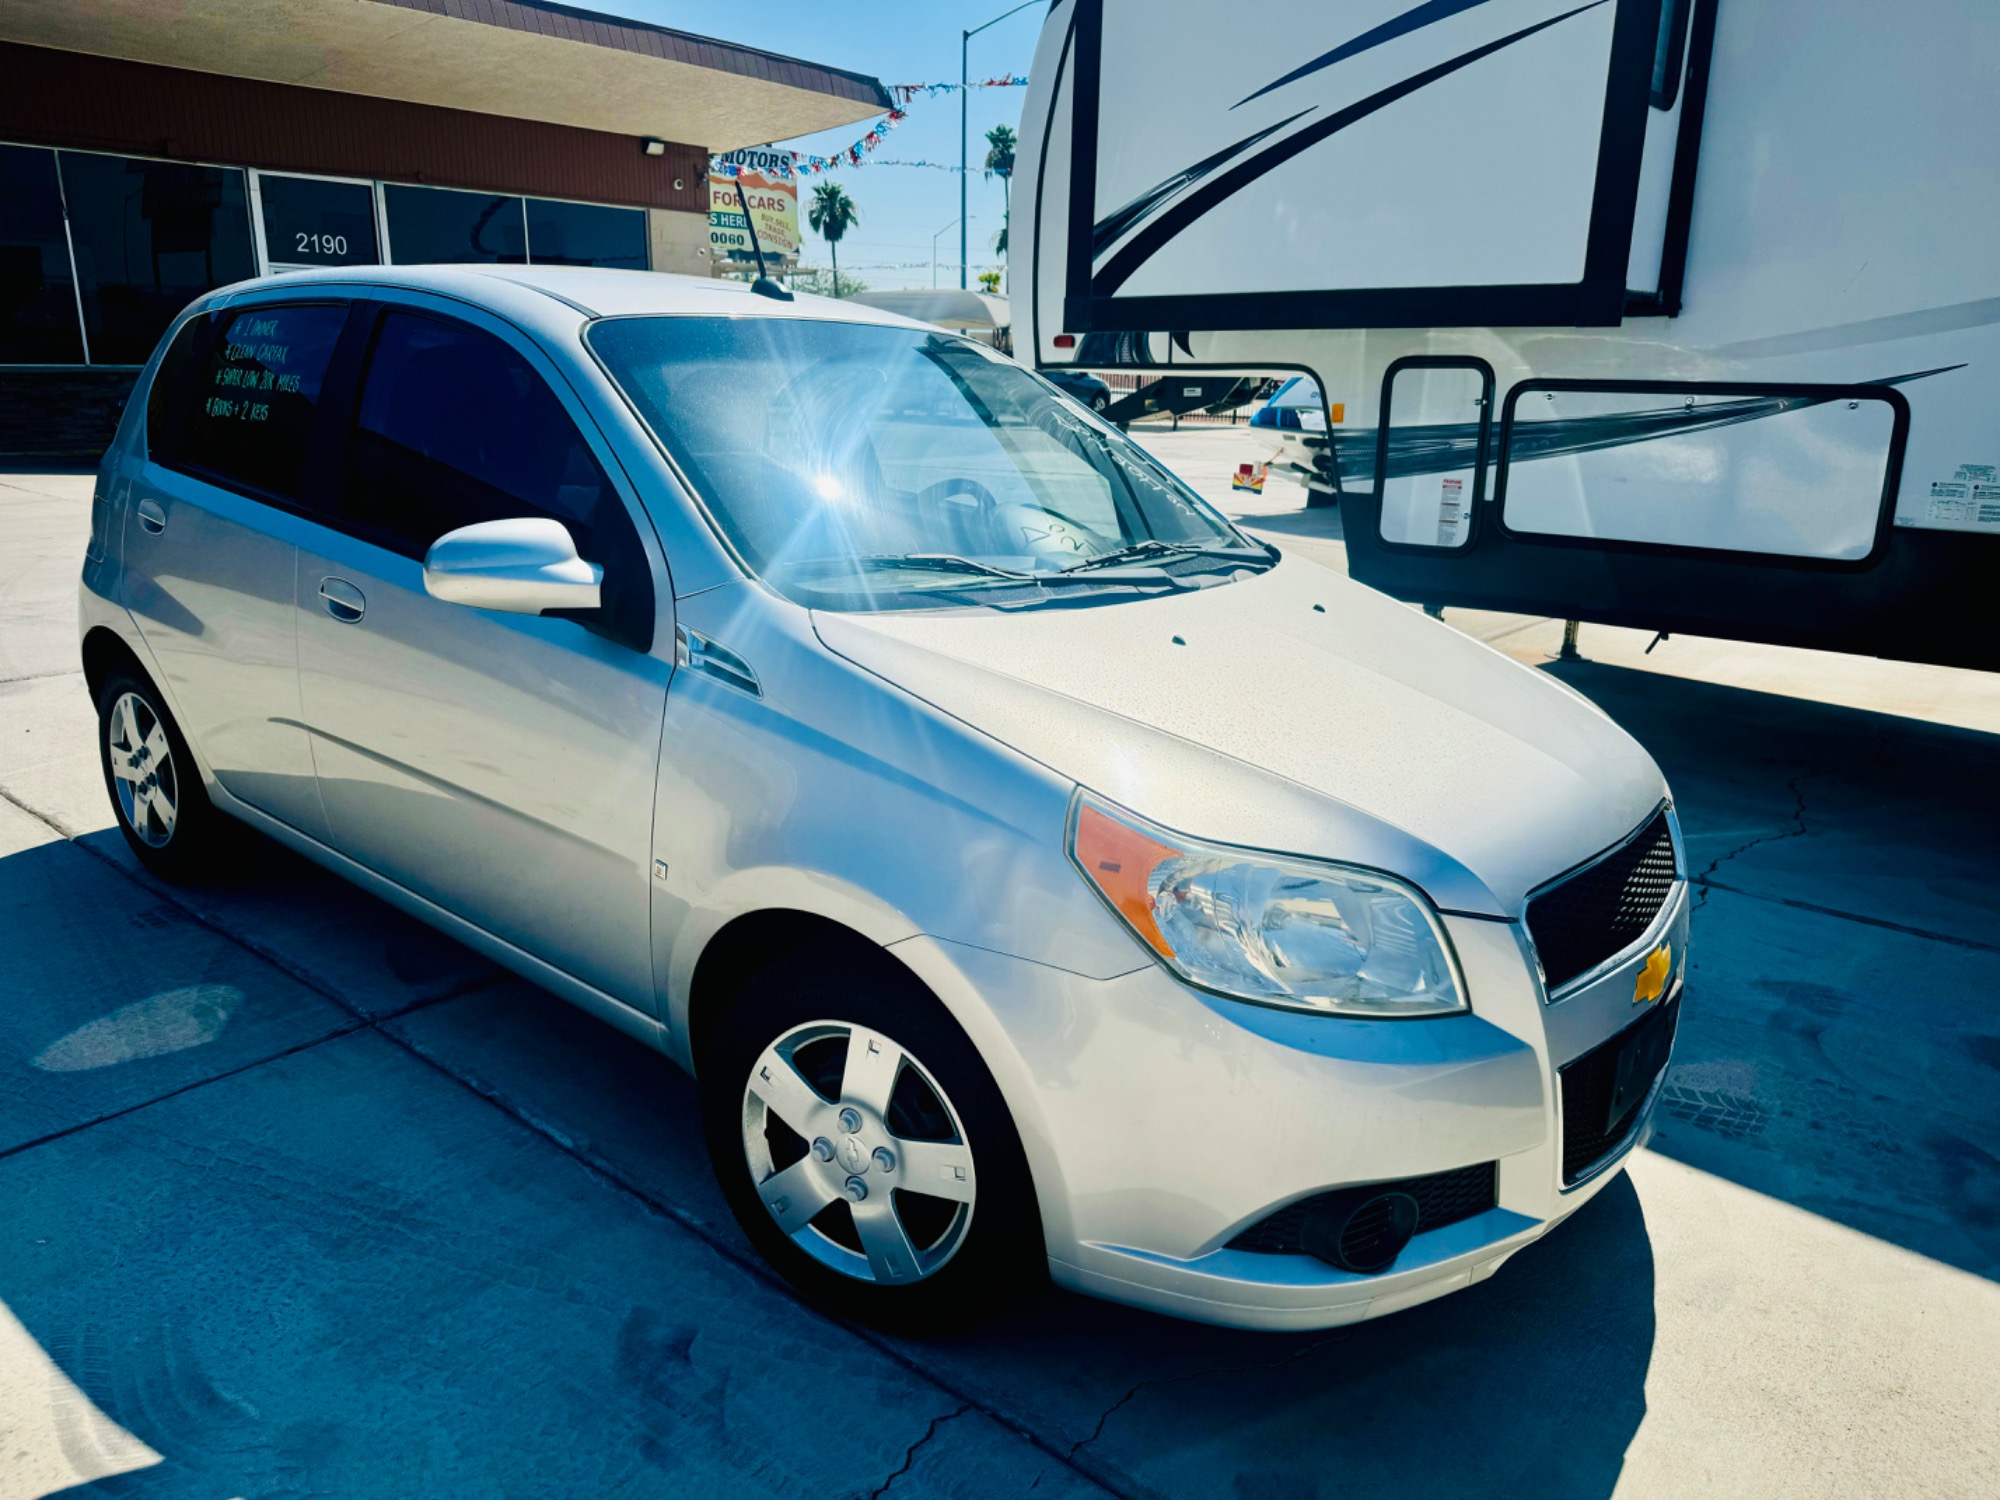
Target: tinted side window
(453,427)
(173,388)
(254,396)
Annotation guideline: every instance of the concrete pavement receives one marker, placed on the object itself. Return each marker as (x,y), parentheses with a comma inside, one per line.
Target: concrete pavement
(301,1197)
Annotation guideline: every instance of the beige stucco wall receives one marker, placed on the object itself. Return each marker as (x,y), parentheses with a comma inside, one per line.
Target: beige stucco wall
(679,241)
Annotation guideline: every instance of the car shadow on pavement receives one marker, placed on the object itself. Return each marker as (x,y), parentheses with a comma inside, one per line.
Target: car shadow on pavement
(1839,1047)
(1530,1382)
(262,1240)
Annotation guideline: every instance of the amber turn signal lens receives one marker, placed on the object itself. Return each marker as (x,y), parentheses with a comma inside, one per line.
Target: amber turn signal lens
(1120,862)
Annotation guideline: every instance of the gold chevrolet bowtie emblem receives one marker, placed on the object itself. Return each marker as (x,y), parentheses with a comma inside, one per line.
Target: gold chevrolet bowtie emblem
(1653,977)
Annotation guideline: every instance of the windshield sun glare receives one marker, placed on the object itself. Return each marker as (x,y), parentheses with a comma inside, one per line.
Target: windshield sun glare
(861,466)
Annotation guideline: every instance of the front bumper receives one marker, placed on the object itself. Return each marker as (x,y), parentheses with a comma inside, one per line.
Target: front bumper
(1160,1122)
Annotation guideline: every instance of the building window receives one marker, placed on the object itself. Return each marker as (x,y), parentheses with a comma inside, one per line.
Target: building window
(38,317)
(586,234)
(149,238)
(429,226)
(312,221)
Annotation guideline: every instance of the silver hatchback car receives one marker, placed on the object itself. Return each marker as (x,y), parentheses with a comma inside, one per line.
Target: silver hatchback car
(1039,876)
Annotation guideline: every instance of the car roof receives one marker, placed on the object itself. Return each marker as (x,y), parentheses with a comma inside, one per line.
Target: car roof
(593,291)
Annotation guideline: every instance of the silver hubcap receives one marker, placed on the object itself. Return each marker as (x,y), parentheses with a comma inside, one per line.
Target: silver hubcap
(142,769)
(857,1153)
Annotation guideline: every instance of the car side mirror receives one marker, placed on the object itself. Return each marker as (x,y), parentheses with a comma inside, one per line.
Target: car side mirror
(525,566)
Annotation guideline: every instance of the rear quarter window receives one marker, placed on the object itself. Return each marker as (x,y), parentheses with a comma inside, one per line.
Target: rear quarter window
(172,391)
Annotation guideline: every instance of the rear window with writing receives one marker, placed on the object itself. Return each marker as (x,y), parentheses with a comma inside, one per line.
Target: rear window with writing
(253,402)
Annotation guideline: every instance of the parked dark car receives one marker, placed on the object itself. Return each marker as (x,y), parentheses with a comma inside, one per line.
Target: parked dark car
(1083,385)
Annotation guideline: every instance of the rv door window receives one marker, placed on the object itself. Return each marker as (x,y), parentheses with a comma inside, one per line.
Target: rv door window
(1788,472)
(1431,450)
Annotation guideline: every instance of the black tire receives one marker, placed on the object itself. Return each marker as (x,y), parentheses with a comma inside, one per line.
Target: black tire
(1000,1253)
(193,846)
(1099,403)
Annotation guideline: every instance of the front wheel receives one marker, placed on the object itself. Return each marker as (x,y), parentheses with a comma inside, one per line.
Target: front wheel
(155,787)
(865,1149)
(1099,403)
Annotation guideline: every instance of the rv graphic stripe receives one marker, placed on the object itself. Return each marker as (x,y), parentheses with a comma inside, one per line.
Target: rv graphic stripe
(1409,21)
(1149,241)
(1115,223)
(1443,447)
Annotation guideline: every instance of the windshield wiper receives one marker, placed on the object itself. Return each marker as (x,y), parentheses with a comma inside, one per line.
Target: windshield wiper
(1140,552)
(929,562)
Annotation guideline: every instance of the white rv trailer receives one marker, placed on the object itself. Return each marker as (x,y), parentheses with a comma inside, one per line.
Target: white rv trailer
(1682,314)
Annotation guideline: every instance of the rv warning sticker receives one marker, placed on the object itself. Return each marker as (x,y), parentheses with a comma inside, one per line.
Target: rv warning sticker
(1451,512)
(1969,497)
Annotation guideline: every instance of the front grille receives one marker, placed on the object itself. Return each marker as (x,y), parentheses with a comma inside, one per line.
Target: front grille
(1442,1198)
(1587,1084)
(1605,907)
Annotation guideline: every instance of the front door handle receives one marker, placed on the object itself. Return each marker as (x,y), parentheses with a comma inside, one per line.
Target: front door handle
(152,515)
(342,600)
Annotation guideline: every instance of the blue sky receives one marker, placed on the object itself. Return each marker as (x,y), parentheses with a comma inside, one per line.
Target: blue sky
(897,41)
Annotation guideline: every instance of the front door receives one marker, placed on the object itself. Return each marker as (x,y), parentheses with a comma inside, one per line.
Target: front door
(211,541)
(499,765)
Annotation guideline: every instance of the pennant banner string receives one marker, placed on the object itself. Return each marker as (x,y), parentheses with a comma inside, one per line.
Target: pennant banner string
(908,91)
(805,164)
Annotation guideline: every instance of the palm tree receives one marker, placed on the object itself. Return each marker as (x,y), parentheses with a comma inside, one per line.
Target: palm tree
(832,214)
(1000,163)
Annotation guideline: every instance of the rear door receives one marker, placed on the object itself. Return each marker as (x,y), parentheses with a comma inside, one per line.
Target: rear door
(212,543)
(499,765)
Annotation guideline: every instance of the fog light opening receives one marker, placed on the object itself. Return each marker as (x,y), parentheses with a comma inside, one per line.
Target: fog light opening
(1362,1230)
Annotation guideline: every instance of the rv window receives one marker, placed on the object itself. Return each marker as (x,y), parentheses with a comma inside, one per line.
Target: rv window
(1793,472)
(1668,52)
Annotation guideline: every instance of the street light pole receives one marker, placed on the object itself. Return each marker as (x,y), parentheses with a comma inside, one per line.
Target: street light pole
(964,43)
(964,97)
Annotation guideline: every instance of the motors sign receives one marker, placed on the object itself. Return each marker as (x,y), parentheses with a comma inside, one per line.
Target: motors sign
(773,197)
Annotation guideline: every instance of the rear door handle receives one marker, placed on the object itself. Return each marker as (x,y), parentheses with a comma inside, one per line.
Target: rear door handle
(342,600)
(152,515)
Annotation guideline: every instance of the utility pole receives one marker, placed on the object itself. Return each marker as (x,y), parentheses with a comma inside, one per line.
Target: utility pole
(964,132)
(934,240)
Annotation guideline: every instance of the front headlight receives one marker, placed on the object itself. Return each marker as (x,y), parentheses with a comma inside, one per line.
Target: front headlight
(1262,927)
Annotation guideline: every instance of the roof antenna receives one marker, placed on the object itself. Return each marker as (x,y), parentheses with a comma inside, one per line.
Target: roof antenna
(763,286)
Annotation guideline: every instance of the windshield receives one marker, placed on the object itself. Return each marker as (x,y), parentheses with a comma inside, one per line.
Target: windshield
(870,467)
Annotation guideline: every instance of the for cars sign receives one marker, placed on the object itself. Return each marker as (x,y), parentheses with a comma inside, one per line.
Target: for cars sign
(772,194)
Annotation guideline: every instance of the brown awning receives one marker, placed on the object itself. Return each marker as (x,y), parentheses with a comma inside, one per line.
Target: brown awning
(519,58)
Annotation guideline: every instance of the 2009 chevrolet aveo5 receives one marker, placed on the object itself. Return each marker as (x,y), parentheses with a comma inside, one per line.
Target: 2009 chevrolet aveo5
(1038,875)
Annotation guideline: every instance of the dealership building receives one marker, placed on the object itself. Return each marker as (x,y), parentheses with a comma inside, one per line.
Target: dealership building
(153,149)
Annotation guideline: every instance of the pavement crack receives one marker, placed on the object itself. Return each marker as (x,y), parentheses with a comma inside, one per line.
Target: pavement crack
(1798,830)
(1875,757)
(1226,1370)
(910,1453)
(186,1088)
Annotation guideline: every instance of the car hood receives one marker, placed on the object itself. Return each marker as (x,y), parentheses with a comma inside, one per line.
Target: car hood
(1294,711)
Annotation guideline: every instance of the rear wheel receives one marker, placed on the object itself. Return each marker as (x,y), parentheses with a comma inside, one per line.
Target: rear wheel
(865,1149)
(155,788)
